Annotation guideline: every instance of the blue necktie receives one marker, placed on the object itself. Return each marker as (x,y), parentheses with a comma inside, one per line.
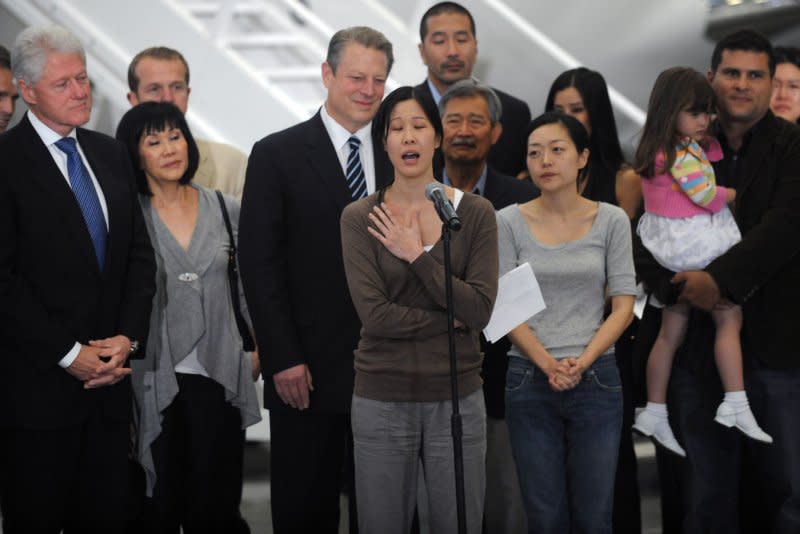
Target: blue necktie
(86,195)
(355,172)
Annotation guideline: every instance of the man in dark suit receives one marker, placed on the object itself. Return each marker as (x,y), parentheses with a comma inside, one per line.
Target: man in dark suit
(761,273)
(471,125)
(76,283)
(298,182)
(449,48)
(8,91)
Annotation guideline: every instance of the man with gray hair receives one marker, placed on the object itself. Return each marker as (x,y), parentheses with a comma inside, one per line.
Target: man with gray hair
(471,125)
(76,282)
(298,182)
(8,91)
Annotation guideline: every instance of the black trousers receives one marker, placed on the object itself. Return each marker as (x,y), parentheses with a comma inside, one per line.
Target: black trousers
(311,460)
(73,478)
(199,462)
(627,514)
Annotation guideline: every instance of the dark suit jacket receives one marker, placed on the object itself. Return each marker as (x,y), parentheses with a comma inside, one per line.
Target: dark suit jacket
(508,154)
(762,272)
(290,252)
(52,290)
(501,191)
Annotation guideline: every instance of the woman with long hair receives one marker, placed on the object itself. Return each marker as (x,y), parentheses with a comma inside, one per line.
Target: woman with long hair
(583,94)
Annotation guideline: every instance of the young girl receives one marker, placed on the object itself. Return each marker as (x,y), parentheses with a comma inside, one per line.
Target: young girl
(686,225)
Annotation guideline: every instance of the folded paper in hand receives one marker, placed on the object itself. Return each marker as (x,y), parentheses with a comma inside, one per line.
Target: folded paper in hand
(518,299)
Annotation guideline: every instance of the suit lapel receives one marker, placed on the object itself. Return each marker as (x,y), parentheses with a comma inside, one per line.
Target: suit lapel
(754,162)
(325,163)
(46,173)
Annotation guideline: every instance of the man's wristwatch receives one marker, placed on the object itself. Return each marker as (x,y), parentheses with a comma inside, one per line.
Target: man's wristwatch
(134,346)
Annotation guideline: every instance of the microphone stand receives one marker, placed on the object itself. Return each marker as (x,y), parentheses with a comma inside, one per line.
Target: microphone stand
(455,419)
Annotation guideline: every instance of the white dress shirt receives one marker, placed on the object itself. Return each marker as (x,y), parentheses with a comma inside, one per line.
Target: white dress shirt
(340,136)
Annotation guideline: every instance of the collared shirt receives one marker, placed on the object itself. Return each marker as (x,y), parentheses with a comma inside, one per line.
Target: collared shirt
(434,91)
(480,185)
(49,138)
(340,136)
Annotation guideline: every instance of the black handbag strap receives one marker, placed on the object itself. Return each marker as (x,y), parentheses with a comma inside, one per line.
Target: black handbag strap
(248,344)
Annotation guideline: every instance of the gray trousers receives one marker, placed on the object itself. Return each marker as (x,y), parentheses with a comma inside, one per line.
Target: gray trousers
(392,438)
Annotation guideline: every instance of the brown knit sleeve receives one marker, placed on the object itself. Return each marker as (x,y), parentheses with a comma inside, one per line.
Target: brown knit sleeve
(368,284)
(473,296)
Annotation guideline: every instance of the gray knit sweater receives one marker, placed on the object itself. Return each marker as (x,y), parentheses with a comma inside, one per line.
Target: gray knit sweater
(572,276)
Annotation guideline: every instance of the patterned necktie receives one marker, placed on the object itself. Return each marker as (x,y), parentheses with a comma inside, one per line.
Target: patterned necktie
(355,171)
(86,195)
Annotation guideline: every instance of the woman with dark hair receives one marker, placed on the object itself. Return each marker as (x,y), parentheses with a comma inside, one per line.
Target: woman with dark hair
(785,102)
(194,390)
(583,94)
(563,390)
(394,263)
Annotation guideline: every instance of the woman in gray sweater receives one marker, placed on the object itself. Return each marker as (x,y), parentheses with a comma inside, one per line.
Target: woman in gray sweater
(194,389)
(394,264)
(563,392)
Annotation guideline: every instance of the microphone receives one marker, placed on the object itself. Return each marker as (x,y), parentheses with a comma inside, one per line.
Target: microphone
(434,192)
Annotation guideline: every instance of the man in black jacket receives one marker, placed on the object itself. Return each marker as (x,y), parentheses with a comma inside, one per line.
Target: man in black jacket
(471,123)
(77,278)
(298,182)
(762,274)
(449,48)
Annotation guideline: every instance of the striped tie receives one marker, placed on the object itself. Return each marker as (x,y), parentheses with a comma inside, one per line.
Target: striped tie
(86,195)
(355,172)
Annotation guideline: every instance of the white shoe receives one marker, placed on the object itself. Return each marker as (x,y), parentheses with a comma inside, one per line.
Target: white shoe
(743,419)
(658,429)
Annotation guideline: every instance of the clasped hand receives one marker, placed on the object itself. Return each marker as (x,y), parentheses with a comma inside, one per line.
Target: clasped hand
(565,374)
(102,362)
(401,236)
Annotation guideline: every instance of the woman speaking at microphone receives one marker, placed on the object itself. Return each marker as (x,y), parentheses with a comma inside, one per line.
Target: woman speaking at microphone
(394,262)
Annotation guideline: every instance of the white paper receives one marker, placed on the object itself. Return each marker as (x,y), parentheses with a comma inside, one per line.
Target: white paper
(518,299)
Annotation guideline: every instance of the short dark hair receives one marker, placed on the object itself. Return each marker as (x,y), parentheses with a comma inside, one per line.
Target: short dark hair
(746,40)
(380,124)
(155,52)
(363,35)
(467,89)
(787,54)
(5,58)
(577,134)
(604,146)
(150,117)
(444,7)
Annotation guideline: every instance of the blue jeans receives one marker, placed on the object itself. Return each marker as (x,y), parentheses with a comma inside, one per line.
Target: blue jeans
(775,400)
(565,445)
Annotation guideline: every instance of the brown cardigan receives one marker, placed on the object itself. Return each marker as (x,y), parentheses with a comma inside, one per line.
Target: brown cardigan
(403,352)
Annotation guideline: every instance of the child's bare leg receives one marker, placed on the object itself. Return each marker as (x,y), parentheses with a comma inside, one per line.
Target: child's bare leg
(728,347)
(735,408)
(653,421)
(659,365)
